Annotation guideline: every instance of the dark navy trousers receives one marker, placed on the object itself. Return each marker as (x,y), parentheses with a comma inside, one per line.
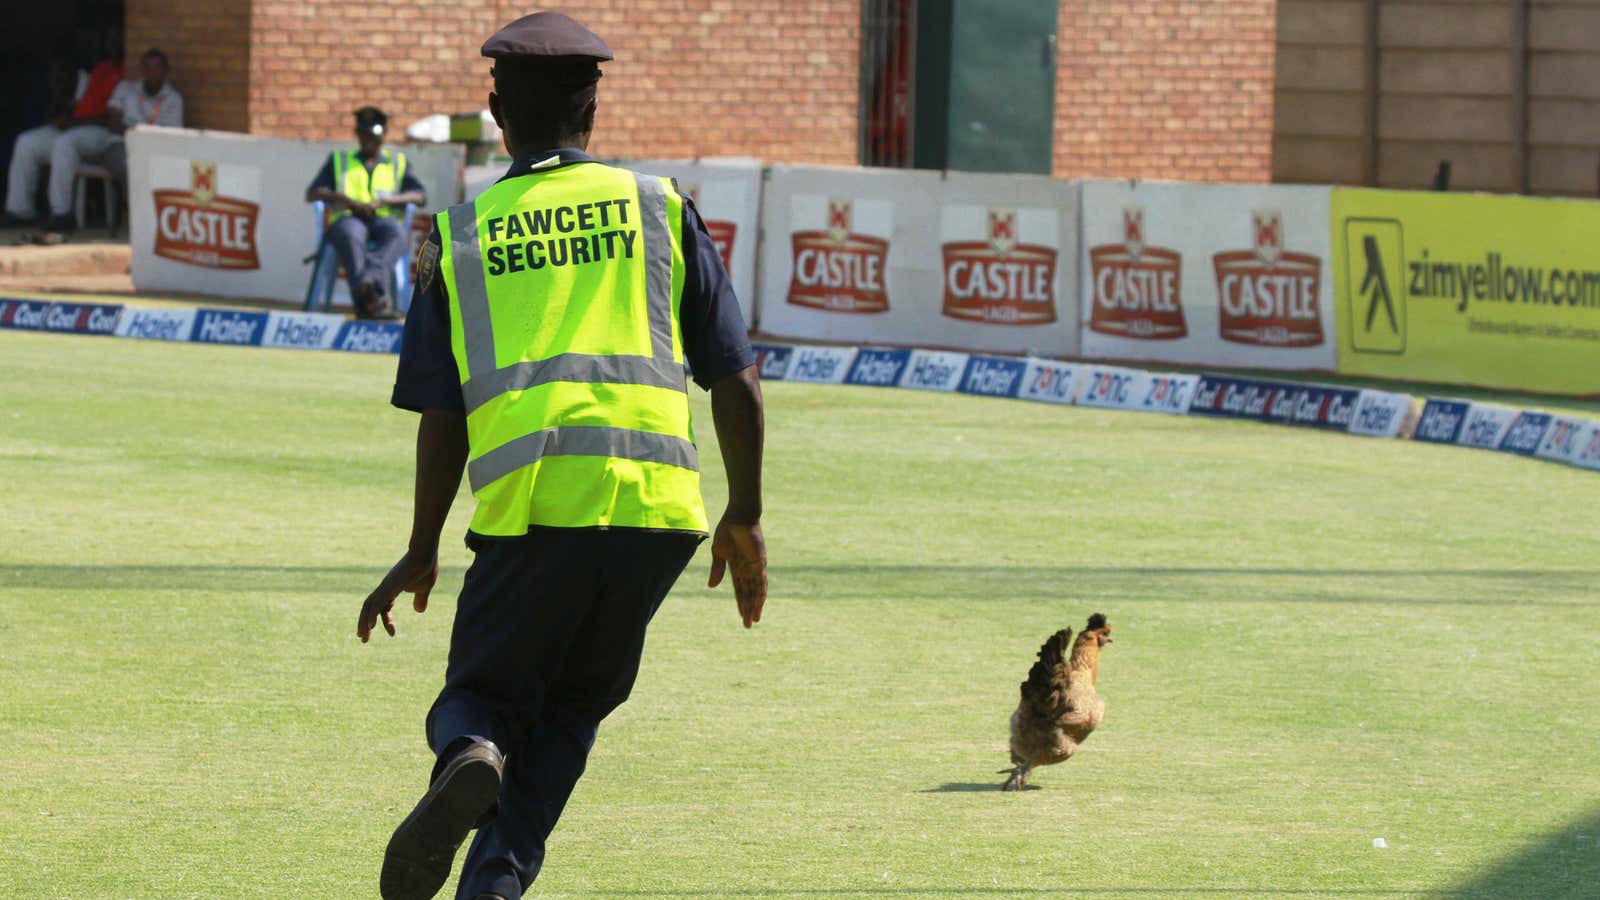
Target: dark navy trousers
(349,237)
(548,634)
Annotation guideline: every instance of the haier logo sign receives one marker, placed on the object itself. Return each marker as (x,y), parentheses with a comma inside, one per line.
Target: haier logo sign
(827,365)
(1526,433)
(1380,414)
(369,337)
(1441,421)
(155,324)
(303,331)
(878,368)
(214,326)
(989,376)
(932,370)
(1486,426)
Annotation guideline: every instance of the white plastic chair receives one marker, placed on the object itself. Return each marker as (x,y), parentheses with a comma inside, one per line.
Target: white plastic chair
(80,194)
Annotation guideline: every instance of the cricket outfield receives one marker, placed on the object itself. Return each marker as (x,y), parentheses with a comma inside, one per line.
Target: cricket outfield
(1320,640)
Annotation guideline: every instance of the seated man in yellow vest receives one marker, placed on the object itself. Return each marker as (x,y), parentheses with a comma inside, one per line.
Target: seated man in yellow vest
(367,190)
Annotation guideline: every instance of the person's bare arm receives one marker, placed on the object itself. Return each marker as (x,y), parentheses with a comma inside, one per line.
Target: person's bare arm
(738,543)
(441,458)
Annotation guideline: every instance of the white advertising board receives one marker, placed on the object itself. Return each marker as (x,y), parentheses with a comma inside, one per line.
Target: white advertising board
(728,196)
(225,214)
(1220,275)
(888,256)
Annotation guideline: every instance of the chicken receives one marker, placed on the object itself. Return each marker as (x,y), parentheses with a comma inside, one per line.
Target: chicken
(1059,706)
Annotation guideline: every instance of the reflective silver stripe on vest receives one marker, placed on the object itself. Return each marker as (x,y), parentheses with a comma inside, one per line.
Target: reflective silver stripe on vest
(486,381)
(583,368)
(466,257)
(657,262)
(580,440)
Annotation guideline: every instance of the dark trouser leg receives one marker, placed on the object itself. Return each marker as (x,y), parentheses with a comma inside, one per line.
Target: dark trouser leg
(633,571)
(388,243)
(348,237)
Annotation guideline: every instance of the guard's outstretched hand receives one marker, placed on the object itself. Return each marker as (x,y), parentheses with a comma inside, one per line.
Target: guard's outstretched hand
(741,547)
(412,574)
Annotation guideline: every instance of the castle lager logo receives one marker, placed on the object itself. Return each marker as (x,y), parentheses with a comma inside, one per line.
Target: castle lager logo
(1000,280)
(1269,296)
(1134,287)
(838,270)
(198,227)
(722,233)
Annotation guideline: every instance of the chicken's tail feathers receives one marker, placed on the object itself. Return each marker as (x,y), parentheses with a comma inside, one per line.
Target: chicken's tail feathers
(1055,649)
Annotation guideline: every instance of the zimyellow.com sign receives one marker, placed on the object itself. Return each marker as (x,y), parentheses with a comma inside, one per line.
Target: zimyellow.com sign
(1500,292)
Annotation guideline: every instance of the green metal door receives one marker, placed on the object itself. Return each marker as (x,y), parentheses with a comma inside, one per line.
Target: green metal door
(986,85)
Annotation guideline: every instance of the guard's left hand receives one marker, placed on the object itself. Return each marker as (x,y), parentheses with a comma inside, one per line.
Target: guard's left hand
(413,575)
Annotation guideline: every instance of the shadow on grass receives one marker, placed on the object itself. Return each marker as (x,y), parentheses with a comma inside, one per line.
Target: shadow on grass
(1486,587)
(1023,892)
(973,787)
(1566,864)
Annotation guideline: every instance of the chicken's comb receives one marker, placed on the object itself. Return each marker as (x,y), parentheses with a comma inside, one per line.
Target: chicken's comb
(1095,621)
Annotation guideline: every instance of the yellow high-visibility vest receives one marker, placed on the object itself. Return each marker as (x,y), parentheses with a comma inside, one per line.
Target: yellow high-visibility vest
(564,292)
(351,178)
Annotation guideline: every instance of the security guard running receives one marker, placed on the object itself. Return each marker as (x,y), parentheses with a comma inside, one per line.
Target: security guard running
(545,350)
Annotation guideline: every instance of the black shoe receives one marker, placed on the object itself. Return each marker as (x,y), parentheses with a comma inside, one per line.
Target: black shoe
(423,849)
(11,221)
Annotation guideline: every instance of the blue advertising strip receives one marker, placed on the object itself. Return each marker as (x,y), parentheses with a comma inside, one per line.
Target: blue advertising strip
(993,376)
(1361,412)
(1441,421)
(877,368)
(1526,433)
(64,318)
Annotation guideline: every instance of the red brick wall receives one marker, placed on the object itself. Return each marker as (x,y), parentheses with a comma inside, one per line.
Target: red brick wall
(313,62)
(1176,89)
(772,79)
(208,44)
(1147,88)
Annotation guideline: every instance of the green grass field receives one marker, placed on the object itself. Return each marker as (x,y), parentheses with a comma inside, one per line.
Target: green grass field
(1319,640)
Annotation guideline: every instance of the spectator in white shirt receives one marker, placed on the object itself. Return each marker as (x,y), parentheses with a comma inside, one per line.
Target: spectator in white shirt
(149,101)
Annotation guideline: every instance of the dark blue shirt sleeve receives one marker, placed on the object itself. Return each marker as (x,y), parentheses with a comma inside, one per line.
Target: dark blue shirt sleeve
(409,183)
(324,177)
(715,338)
(427,377)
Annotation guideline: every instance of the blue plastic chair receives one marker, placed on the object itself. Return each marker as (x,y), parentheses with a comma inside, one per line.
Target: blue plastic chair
(325,271)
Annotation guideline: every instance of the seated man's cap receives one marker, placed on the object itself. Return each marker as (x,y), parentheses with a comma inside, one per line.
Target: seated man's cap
(371,120)
(547,36)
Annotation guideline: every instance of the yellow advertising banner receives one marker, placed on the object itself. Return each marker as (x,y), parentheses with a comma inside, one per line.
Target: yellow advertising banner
(1469,289)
